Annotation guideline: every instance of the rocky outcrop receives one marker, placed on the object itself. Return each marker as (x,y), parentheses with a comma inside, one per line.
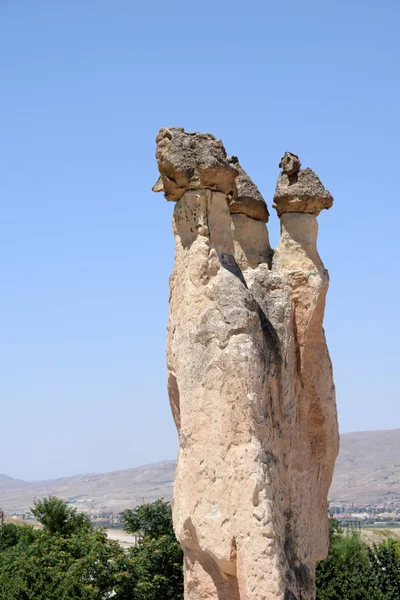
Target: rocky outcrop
(299,190)
(191,161)
(249,377)
(248,200)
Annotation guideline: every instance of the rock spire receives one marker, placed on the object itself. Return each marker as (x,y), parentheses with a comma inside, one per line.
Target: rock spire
(249,375)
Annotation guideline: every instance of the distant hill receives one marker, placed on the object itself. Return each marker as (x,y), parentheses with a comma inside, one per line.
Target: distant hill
(96,491)
(367,470)
(368,467)
(7,483)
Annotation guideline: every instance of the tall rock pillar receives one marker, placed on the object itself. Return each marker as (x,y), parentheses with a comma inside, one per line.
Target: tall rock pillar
(249,375)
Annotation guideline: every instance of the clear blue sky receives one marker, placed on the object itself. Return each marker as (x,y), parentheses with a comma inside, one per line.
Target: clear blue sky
(87,248)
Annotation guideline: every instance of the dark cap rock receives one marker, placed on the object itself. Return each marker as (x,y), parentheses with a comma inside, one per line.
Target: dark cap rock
(248,200)
(188,161)
(299,190)
(290,163)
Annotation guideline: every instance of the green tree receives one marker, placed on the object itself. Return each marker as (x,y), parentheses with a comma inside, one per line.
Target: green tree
(347,572)
(57,517)
(151,520)
(11,535)
(156,561)
(66,560)
(385,560)
(51,566)
(8,536)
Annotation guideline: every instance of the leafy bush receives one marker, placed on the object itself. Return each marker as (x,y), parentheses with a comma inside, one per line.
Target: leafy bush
(48,566)
(68,560)
(354,571)
(156,561)
(385,561)
(57,517)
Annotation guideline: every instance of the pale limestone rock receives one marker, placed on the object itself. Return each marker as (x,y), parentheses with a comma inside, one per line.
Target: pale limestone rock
(251,241)
(251,391)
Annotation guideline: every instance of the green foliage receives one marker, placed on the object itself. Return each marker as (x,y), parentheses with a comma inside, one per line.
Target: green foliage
(68,560)
(354,571)
(156,561)
(57,517)
(346,573)
(152,520)
(9,535)
(84,566)
(385,560)
(335,529)
(157,569)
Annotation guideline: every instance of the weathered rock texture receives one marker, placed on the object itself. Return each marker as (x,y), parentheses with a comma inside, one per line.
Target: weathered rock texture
(299,190)
(248,200)
(250,379)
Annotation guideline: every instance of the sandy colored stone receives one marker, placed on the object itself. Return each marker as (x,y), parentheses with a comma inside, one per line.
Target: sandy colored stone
(251,390)
(251,241)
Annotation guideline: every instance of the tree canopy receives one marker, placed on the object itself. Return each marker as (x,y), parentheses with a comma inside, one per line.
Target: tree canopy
(57,517)
(149,520)
(157,560)
(68,560)
(353,570)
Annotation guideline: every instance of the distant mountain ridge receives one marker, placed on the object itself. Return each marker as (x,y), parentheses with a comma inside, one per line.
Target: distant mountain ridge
(368,467)
(367,470)
(7,482)
(95,491)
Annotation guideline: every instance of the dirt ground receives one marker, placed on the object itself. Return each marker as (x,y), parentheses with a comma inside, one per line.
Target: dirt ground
(125,539)
(374,536)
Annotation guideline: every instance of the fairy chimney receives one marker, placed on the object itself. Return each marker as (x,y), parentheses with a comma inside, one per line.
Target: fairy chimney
(249,375)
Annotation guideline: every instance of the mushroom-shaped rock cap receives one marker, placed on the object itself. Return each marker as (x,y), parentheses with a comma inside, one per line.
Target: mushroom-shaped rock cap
(299,190)
(188,161)
(248,200)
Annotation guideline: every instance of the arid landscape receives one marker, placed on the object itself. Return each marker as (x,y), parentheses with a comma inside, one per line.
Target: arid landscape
(94,492)
(367,470)
(368,467)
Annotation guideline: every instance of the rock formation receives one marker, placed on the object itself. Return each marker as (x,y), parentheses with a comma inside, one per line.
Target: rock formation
(249,375)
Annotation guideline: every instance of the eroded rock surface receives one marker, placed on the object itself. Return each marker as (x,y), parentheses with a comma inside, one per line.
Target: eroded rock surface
(299,190)
(192,161)
(251,390)
(248,200)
